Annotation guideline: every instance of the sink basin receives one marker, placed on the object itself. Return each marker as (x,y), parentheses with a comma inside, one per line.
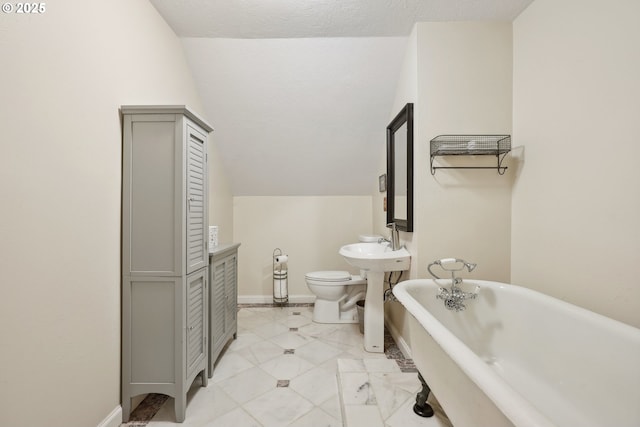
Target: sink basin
(376,257)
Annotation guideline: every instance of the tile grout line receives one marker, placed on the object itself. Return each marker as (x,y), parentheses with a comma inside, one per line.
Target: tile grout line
(152,403)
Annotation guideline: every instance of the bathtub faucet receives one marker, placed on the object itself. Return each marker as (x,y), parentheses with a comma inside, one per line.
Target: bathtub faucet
(454,296)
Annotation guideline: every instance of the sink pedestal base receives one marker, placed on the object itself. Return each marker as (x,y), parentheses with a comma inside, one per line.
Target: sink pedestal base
(374,313)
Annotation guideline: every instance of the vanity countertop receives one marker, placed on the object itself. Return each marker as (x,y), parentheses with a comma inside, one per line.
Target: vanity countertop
(223,247)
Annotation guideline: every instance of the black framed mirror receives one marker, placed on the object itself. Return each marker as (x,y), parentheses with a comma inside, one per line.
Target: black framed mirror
(400,169)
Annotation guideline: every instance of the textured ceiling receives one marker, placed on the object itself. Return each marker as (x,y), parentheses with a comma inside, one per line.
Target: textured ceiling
(300,91)
(323,18)
(298,117)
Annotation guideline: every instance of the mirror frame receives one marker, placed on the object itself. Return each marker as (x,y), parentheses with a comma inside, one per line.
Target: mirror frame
(404,116)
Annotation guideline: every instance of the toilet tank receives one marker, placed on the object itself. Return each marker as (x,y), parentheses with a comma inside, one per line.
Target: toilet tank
(369,238)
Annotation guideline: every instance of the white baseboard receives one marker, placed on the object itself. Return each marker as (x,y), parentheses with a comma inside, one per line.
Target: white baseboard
(402,344)
(114,419)
(268,299)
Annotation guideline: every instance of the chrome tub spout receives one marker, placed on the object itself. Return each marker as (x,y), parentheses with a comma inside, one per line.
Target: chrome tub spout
(453,297)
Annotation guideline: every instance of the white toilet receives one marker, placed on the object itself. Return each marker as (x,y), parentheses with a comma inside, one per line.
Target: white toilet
(336,295)
(337,292)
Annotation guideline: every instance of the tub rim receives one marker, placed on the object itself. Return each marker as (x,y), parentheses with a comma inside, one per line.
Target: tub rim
(501,393)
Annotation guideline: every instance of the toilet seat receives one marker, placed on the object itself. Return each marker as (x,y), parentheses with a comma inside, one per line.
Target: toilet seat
(329,276)
(333,278)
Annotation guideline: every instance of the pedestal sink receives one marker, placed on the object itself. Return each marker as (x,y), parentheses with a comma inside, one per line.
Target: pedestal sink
(376,259)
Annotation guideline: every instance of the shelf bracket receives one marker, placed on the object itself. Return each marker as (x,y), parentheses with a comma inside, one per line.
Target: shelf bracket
(501,169)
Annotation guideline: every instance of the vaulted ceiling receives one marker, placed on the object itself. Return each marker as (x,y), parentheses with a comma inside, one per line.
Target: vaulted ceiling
(300,91)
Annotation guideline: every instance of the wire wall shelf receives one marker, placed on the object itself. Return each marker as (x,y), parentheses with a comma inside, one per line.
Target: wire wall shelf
(471,145)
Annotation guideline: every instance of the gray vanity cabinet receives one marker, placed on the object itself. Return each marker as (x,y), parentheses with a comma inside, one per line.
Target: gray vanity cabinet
(223,299)
(165,280)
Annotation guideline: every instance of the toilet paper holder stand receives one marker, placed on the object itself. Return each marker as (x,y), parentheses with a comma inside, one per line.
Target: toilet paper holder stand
(280,273)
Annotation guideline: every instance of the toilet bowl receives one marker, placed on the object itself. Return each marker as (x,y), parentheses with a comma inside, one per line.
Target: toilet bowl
(336,295)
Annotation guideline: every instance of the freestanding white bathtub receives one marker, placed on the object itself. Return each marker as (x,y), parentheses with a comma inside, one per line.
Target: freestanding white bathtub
(516,357)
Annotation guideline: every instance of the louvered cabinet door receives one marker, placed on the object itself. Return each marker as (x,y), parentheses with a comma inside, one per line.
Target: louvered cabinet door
(196,311)
(196,179)
(231,293)
(217,308)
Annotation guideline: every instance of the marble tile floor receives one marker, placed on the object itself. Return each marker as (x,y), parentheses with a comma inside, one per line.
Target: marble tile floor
(286,370)
(376,393)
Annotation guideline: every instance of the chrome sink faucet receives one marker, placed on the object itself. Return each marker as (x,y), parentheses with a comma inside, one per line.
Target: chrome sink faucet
(395,237)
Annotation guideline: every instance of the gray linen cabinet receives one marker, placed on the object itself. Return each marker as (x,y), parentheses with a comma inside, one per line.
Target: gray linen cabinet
(164,253)
(223,299)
